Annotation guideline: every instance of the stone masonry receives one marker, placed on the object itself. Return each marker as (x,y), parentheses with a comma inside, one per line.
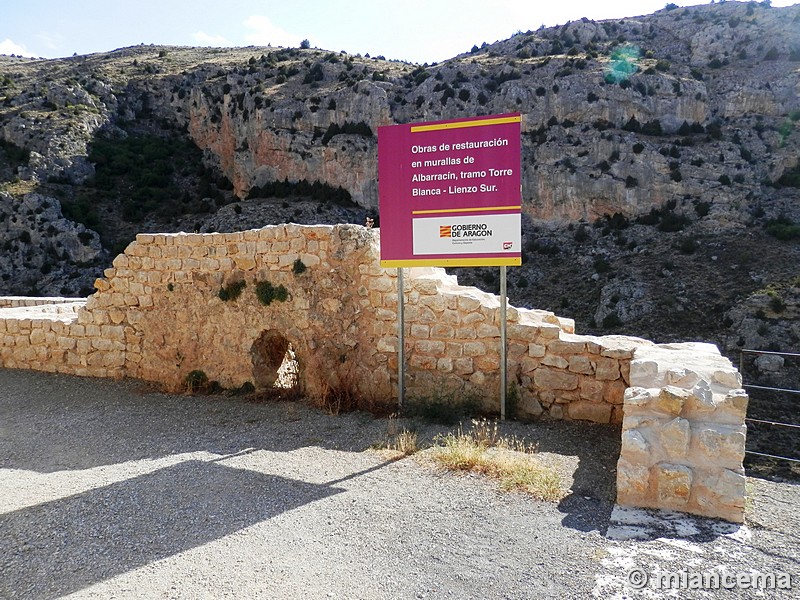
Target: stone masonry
(158,314)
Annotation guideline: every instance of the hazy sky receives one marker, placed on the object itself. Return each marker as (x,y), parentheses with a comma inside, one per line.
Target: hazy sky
(413,30)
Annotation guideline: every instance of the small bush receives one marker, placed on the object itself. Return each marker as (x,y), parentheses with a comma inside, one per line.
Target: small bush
(688,245)
(267,293)
(702,208)
(611,320)
(776,304)
(298,267)
(231,291)
(783,228)
(196,381)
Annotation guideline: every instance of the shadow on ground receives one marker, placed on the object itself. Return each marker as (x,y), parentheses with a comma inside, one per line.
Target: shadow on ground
(77,541)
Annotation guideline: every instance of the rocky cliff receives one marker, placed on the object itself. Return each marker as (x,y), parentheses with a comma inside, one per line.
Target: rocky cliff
(650,144)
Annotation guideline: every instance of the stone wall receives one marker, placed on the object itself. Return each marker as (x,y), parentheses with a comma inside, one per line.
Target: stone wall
(158,314)
(683,434)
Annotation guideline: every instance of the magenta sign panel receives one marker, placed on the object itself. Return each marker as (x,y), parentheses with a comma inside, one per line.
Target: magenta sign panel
(450,192)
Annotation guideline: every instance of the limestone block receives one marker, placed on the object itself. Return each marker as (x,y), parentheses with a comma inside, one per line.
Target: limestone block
(428,287)
(549,332)
(721,445)
(528,407)
(536,350)
(450,317)
(471,318)
(101,285)
(618,350)
(466,333)
(556,411)
(633,482)
(243,263)
(553,360)
(442,331)
(477,378)
(474,348)
(644,373)
(521,332)
(488,362)
(420,331)
(625,371)
(37,337)
(420,314)
(454,349)
(589,411)
(65,343)
(635,446)
(675,436)
(567,345)
(517,351)
(383,314)
(484,330)
(431,347)
(637,396)
(468,304)
(671,400)
(701,399)
(734,405)
(607,369)
(463,366)
(722,494)
(673,484)
(614,392)
(549,379)
(580,364)
(685,378)
(729,378)
(445,365)
(591,389)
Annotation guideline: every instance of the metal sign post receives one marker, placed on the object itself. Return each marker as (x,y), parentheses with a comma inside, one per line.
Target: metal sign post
(503,345)
(401,344)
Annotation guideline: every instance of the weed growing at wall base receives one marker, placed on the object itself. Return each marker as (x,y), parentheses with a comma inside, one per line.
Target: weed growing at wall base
(508,460)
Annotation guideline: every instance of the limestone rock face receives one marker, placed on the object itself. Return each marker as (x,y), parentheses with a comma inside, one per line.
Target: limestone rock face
(703,96)
(42,250)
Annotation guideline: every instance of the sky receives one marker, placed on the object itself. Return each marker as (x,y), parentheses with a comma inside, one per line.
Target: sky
(411,30)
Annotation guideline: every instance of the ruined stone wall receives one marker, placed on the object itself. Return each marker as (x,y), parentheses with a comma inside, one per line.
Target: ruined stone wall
(683,434)
(158,315)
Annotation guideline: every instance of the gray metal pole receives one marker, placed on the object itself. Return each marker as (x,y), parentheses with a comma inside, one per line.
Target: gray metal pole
(503,366)
(401,343)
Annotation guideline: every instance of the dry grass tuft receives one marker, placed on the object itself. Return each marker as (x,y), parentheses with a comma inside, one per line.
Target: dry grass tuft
(402,442)
(509,460)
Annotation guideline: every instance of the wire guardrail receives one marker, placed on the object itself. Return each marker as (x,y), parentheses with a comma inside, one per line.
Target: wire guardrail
(771,389)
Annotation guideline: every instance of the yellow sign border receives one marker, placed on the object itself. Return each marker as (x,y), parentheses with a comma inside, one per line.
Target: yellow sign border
(512,261)
(462,124)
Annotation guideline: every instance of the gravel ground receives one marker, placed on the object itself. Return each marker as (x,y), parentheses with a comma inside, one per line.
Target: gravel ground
(111,490)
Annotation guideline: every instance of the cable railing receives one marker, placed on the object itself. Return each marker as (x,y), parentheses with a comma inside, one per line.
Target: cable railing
(791,426)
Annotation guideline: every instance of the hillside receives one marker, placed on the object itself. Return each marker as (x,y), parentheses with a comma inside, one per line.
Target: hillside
(660,160)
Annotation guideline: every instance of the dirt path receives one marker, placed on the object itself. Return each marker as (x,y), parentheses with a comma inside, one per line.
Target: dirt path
(107,490)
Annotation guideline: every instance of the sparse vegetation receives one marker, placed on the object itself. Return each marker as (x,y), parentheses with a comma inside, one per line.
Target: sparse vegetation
(267,293)
(509,460)
(231,291)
